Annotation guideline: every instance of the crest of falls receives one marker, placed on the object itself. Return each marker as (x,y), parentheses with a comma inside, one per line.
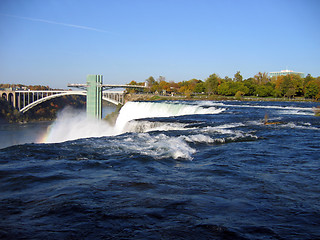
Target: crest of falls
(140,110)
(71,124)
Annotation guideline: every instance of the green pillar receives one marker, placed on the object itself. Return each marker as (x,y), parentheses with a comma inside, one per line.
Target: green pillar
(94,96)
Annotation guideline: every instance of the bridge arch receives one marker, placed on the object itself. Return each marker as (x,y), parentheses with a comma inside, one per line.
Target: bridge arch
(41,100)
(10,98)
(4,95)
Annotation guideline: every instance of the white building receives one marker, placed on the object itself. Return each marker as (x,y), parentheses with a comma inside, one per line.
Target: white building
(285,72)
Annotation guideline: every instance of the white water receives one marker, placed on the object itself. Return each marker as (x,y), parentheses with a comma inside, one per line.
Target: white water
(136,117)
(140,110)
(157,146)
(285,109)
(71,125)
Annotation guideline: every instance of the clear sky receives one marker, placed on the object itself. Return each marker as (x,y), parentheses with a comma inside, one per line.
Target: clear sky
(56,42)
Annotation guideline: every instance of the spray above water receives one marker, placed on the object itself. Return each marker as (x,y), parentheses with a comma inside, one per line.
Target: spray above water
(72,124)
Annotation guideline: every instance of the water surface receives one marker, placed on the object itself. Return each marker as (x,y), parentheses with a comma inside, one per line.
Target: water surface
(168,170)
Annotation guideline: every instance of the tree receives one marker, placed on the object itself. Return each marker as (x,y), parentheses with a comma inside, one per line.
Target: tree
(131,90)
(264,90)
(200,87)
(227,79)
(133,83)
(173,86)
(237,77)
(188,87)
(307,79)
(231,88)
(286,85)
(282,84)
(212,83)
(224,89)
(261,78)
(312,89)
(164,86)
(297,83)
(239,95)
(161,78)
(251,85)
(152,84)
(150,81)
(291,92)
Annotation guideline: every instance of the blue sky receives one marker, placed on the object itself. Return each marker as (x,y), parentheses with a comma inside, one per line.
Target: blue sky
(56,42)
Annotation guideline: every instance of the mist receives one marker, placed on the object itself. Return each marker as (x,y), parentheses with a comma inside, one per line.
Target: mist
(72,124)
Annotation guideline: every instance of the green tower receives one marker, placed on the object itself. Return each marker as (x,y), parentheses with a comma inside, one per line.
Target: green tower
(94,96)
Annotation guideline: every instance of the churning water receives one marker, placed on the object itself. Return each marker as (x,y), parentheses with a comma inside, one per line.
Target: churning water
(167,170)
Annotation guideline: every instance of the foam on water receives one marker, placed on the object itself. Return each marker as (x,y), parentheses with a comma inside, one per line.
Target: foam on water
(306,126)
(147,126)
(283,109)
(296,111)
(199,138)
(158,146)
(228,132)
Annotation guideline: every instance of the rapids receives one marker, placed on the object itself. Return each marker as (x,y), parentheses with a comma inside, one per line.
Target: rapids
(166,170)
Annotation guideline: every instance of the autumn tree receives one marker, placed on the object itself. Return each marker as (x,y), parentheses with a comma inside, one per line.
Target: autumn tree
(131,90)
(173,86)
(187,87)
(164,86)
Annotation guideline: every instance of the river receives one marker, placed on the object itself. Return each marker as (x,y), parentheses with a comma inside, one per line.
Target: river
(166,170)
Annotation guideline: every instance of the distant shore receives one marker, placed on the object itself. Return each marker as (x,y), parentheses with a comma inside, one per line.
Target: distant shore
(152,97)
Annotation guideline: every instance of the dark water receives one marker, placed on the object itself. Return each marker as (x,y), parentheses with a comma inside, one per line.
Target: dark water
(212,171)
(20,133)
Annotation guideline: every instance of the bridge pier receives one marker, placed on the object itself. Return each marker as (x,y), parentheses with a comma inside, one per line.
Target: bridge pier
(94,96)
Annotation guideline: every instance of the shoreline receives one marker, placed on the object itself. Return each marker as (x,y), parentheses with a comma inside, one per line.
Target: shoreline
(152,97)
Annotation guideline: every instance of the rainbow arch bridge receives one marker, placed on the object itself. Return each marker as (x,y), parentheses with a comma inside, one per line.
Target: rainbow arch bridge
(24,100)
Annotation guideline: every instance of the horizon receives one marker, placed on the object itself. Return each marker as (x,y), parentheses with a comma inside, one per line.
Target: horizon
(56,42)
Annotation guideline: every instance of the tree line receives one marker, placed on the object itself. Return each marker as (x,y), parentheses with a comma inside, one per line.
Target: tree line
(21,86)
(261,85)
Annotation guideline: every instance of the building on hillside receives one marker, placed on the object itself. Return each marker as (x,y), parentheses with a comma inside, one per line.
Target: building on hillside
(285,72)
